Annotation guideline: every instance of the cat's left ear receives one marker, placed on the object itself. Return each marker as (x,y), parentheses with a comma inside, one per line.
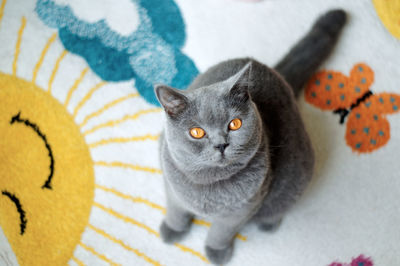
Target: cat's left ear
(239,83)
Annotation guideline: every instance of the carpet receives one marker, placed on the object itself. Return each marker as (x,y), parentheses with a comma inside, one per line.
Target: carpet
(80,177)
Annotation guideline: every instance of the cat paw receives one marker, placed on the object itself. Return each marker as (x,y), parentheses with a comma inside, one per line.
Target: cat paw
(269,227)
(219,256)
(169,235)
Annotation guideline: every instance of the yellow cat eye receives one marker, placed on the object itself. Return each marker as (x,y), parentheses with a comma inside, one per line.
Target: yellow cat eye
(235,124)
(197,132)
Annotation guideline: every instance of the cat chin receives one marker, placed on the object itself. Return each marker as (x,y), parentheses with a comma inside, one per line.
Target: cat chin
(209,180)
(215,173)
(221,161)
(224,162)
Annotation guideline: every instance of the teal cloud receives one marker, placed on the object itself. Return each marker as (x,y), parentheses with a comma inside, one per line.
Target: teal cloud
(151,54)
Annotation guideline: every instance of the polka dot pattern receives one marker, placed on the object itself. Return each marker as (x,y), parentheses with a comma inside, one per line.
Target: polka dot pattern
(367,128)
(330,90)
(366,135)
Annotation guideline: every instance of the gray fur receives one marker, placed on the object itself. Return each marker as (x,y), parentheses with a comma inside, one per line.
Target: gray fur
(266,164)
(301,62)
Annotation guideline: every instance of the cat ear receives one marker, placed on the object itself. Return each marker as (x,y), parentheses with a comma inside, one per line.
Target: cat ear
(240,84)
(173,101)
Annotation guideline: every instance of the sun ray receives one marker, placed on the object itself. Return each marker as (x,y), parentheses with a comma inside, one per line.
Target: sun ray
(156,206)
(126,219)
(3,4)
(18,45)
(119,121)
(88,96)
(147,228)
(201,222)
(106,107)
(129,166)
(42,55)
(75,86)
(133,199)
(241,237)
(55,69)
(123,140)
(100,256)
(195,253)
(125,246)
(80,263)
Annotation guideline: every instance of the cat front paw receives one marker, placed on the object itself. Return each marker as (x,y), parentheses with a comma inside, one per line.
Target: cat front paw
(169,235)
(219,256)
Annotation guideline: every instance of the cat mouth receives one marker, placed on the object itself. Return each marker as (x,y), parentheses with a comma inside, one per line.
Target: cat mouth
(220,160)
(223,161)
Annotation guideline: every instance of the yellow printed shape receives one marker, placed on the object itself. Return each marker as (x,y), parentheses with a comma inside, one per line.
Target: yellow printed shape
(3,4)
(106,107)
(147,228)
(75,86)
(99,255)
(87,97)
(18,45)
(77,261)
(389,13)
(55,69)
(125,246)
(42,55)
(127,219)
(129,166)
(124,140)
(113,123)
(191,251)
(55,216)
(133,199)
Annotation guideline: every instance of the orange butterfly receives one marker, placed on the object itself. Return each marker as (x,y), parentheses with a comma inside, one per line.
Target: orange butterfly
(367,129)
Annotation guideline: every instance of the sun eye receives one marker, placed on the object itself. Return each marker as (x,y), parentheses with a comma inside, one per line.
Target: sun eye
(235,124)
(197,132)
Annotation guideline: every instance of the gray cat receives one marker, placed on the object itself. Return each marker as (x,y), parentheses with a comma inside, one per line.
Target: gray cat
(234,148)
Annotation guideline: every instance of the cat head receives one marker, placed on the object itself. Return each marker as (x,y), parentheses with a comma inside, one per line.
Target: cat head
(211,128)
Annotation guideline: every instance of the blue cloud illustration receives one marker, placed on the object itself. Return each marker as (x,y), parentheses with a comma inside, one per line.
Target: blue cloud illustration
(150,54)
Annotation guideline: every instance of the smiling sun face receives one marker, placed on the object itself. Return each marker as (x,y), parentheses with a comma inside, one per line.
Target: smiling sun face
(46,173)
(39,141)
(47,178)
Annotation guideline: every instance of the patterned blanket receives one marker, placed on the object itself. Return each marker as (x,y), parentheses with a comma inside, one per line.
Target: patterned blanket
(80,178)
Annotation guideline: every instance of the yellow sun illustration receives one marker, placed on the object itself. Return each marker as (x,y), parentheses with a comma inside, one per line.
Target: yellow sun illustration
(39,143)
(66,193)
(389,13)
(37,200)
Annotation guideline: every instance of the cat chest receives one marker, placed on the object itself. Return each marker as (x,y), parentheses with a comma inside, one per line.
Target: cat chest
(217,201)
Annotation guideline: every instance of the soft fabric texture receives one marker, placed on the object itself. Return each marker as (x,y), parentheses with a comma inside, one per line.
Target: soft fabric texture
(107,201)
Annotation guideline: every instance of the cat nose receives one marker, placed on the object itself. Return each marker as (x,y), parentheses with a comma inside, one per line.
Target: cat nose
(221,147)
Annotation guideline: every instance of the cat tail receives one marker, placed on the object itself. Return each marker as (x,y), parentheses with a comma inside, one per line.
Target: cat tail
(308,54)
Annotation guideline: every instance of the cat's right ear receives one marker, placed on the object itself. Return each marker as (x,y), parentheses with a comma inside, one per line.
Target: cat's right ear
(172,100)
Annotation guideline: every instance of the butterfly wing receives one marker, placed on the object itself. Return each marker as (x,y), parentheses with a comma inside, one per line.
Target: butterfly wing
(330,90)
(327,90)
(367,128)
(361,78)
(364,134)
(384,103)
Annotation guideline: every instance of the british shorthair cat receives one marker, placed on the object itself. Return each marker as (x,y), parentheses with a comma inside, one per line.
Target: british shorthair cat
(234,148)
